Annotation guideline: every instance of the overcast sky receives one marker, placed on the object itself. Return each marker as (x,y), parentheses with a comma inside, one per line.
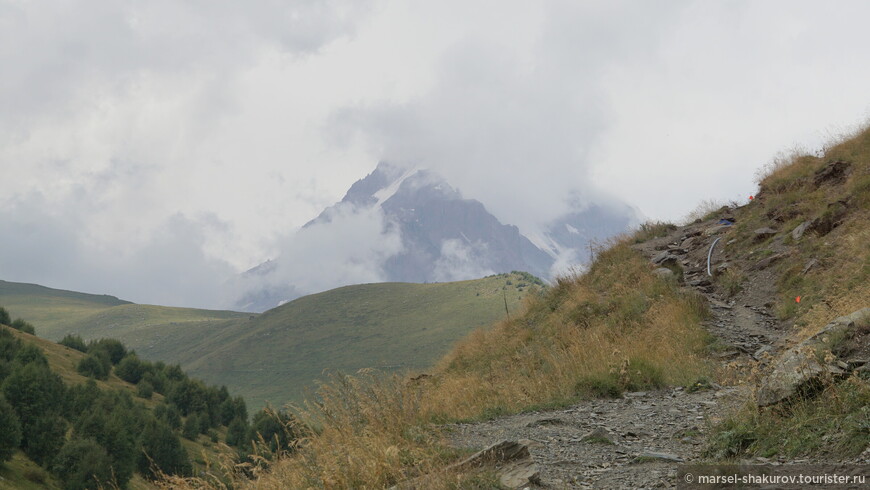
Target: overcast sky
(153,149)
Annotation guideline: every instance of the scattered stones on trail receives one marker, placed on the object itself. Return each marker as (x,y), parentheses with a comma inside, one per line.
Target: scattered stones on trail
(799,370)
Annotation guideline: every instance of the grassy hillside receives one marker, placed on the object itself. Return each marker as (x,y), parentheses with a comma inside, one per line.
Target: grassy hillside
(276,356)
(55,313)
(392,326)
(48,308)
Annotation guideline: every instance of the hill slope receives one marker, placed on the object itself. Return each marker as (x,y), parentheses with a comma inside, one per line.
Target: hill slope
(48,307)
(394,326)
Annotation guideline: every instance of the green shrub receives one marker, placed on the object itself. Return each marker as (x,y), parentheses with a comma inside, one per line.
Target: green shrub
(83,464)
(144,390)
(94,366)
(20,324)
(74,341)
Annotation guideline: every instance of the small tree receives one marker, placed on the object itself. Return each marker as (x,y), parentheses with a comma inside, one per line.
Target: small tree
(4,316)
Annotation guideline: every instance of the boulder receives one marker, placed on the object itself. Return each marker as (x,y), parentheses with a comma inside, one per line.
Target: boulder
(799,370)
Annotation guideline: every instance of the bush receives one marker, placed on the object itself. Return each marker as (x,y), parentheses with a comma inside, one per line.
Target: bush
(161,449)
(83,464)
(10,436)
(94,366)
(191,427)
(43,438)
(4,316)
(23,326)
(114,349)
(144,390)
(74,342)
(236,432)
(130,369)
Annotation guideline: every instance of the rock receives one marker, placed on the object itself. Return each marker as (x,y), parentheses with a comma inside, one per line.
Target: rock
(700,283)
(689,243)
(519,474)
(798,371)
(763,233)
(499,452)
(798,232)
(830,219)
(664,273)
(766,262)
(832,173)
(546,421)
(651,455)
(664,258)
(809,265)
(598,435)
(714,230)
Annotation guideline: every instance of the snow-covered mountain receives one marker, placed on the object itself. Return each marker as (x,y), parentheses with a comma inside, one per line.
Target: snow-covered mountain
(443,236)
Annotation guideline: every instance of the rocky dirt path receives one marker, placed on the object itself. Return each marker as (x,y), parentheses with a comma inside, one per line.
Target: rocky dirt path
(637,441)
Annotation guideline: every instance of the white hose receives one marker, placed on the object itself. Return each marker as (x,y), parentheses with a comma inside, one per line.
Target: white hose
(710,255)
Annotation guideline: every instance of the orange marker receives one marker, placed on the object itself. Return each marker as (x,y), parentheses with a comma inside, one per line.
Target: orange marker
(797,300)
(751,198)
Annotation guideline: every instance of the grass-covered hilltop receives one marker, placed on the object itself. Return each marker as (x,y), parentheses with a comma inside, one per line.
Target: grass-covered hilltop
(790,276)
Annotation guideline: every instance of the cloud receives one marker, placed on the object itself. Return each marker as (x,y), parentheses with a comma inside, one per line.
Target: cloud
(460,261)
(350,247)
(43,244)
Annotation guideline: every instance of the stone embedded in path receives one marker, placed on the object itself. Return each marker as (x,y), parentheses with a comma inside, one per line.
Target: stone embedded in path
(799,369)
(652,455)
(598,435)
